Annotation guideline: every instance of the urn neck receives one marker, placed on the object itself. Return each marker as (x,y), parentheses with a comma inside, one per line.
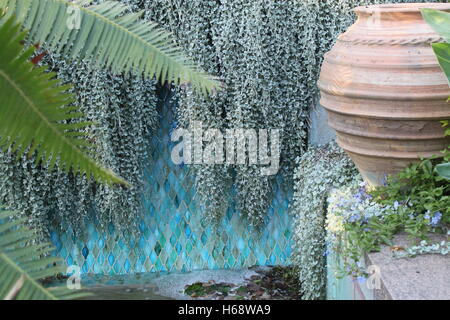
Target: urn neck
(396,12)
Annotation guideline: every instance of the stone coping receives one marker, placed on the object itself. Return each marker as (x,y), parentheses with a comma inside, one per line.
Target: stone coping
(424,277)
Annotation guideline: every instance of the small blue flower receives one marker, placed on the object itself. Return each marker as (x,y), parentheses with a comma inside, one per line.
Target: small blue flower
(396,205)
(361,279)
(435,220)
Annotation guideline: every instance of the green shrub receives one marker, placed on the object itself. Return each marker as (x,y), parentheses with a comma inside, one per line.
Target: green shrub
(423,194)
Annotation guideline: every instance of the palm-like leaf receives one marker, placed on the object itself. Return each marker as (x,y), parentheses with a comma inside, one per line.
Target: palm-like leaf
(35,109)
(443,170)
(109,36)
(442,52)
(22,265)
(440,22)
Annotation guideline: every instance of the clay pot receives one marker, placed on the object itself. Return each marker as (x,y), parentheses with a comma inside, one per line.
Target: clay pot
(384,91)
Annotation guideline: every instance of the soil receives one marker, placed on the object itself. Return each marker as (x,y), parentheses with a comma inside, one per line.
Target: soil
(275,283)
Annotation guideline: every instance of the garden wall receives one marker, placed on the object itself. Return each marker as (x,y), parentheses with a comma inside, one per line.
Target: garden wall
(174,235)
(268,53)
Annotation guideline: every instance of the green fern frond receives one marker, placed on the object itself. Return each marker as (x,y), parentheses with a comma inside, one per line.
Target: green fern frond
(22,265)
(111,37)
(33,109)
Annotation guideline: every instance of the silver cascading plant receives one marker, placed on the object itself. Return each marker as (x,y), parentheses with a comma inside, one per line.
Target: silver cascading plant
(268,54)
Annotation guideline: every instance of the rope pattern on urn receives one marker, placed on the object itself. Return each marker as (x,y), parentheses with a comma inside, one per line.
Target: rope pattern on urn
(411,41)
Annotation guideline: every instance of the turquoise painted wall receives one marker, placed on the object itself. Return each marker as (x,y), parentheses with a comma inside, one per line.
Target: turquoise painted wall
(344,288)
(174,237)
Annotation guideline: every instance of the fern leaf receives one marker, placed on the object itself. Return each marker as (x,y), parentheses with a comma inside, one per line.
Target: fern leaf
(110,36)
(33,107)
(22,265)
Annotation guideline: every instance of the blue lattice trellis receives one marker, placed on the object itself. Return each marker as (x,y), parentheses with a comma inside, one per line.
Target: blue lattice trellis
(174,235)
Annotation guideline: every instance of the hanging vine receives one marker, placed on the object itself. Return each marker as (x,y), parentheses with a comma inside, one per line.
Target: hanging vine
(260,53)
(124,113)
(319,170)
(268,54)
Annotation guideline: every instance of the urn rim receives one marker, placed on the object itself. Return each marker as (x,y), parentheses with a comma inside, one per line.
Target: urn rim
(400,7)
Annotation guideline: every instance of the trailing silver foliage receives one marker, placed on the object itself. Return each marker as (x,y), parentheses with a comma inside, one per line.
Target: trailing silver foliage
(195,24)
(124,112)
(268,54)
(266,61)
(318,171)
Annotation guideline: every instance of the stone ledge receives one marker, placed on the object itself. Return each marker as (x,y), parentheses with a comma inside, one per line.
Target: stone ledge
(424,277)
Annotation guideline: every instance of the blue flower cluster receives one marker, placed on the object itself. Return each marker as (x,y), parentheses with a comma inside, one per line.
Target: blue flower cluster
(435,219)
(355,205)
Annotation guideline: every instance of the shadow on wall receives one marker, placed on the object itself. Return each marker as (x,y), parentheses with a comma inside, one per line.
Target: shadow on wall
(173,235)
(320,132)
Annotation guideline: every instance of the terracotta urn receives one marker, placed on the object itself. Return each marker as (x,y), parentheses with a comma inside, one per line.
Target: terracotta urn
(384,91)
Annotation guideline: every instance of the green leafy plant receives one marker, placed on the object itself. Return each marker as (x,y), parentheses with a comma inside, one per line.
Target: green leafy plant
(124,110)
(415,201)
(440,22)
(358,223)
(323,21)
(110,36)
(35,109)
(422,192)
(23,264)
(232,39)
(37,113)
(443,170)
